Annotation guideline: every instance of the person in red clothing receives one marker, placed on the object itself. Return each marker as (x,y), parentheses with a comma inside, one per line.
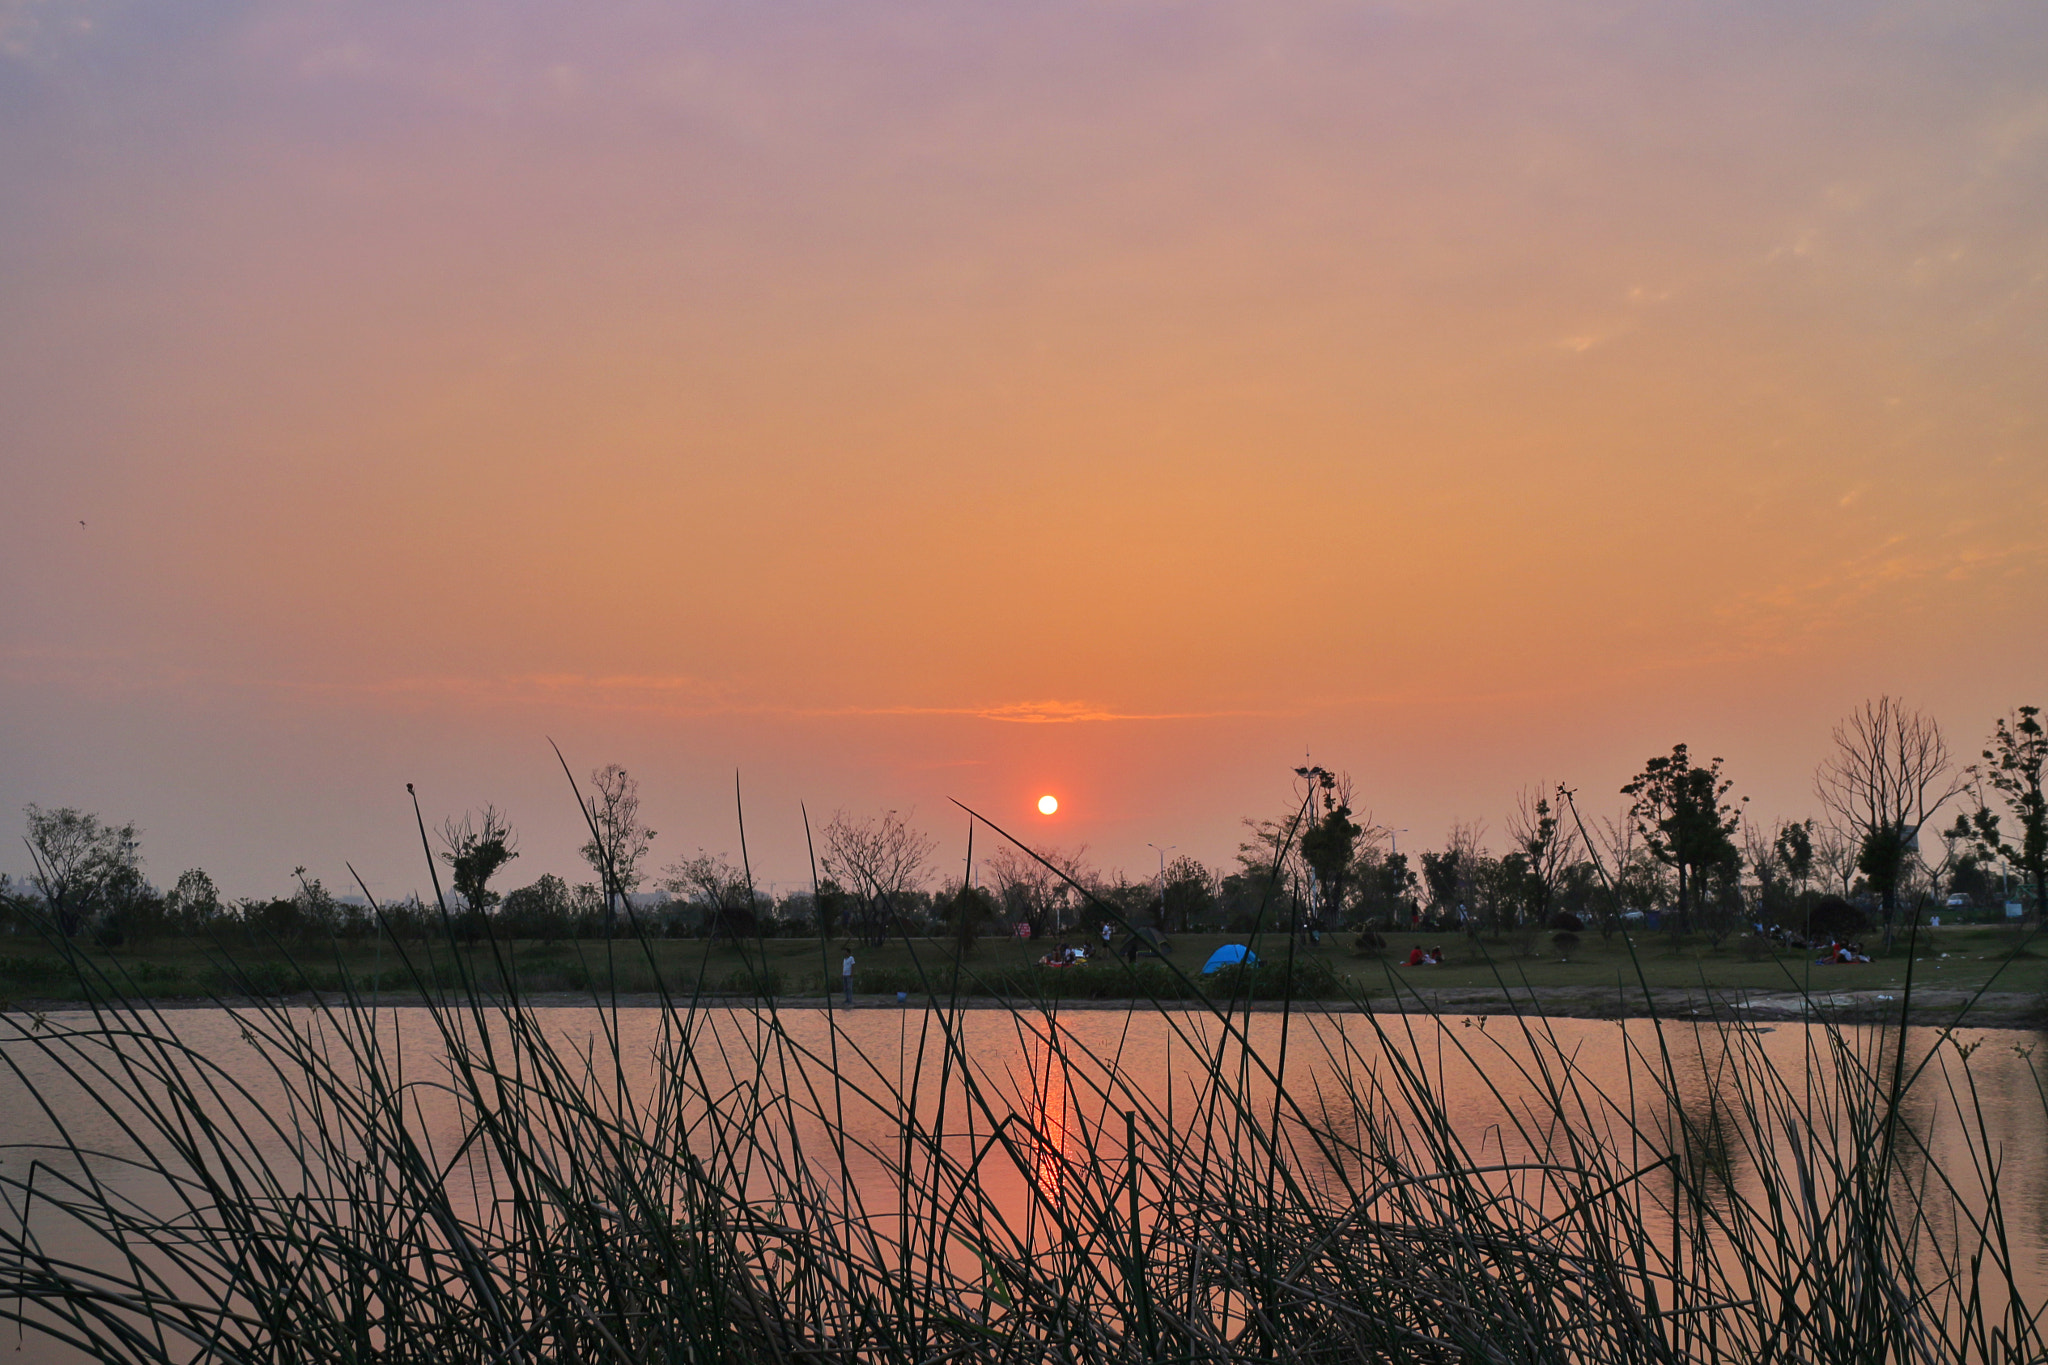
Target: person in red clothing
(1415,957)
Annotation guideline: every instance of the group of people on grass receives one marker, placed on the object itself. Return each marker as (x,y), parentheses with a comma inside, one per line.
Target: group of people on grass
(1425,957)
(1841,952)
(1066,955)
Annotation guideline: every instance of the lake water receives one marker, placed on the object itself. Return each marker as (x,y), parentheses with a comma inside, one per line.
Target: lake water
(1038,1112)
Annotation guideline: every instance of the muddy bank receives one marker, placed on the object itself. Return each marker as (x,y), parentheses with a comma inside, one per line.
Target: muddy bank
(1931,1007)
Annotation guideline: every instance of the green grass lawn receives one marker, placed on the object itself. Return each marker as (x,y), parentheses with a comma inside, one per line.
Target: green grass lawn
(1955,957)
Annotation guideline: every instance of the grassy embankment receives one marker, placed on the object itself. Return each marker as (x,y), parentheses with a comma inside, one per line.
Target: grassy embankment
(1602,975)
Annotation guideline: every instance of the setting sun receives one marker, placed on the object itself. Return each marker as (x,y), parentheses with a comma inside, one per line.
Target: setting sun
(1048,804)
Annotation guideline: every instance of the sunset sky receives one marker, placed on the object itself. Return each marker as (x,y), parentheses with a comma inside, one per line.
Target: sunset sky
(897,402)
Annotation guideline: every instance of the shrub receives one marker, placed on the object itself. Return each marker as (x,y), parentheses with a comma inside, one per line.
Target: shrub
(1831,917)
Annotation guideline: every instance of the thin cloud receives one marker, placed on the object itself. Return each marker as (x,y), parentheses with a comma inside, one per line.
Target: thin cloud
(1035,713)
(1899,570)
(679,695)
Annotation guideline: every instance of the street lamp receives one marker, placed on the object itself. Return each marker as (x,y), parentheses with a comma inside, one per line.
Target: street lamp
(1162,851)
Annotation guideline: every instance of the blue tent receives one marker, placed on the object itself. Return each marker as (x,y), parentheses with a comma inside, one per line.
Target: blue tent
(1227,954)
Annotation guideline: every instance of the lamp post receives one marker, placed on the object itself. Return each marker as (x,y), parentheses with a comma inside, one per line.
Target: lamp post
(1162,851)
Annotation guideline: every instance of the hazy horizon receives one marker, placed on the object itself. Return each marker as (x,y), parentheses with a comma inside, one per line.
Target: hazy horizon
(913,402)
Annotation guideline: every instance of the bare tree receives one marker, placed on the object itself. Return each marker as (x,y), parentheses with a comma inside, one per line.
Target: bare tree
(1315,850)
(620,840)
(1834,854)
(1782,859)
(1638,877)
(1547,846)
(1027,889)
(881,861)
(1890,771)
(728,899)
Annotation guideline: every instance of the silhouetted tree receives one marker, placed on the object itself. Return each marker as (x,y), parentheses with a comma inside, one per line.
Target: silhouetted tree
(1547,848)
(728,900)
(881,861)
(1189,896)
(2012,767)
(967,912)
(193,904)
(545,910)
(1683,821)
(475,848)
(1887,776)
(1330,837)
(835,908)
(1441,876)
(1783,863)
(81,866)
(619,840)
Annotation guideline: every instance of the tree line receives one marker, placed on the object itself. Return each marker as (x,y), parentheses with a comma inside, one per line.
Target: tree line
(1683,845)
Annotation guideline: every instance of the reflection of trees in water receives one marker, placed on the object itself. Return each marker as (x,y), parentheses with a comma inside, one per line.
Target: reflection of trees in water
(2012,1071)
(1842,1171)
(1702,1126)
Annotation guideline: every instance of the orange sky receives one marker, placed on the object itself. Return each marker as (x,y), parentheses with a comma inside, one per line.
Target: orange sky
(908,401)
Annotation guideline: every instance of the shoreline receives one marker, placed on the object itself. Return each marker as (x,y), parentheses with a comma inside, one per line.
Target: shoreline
(1931,1007)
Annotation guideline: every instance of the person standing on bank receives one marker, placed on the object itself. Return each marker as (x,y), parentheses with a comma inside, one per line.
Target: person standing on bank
(846,977)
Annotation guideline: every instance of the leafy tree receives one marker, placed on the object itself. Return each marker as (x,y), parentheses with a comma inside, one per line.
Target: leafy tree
(1386,888)
(194,905)
(545,910)
(1971,874)
(1499,888)
(1331,836)
(82,867)
(20,909)
(1244,896)
(835,908)
(1443,874)
(1132,902)
(1683,821)
(475,848)
(1794,849)
(2012,767)
(316,904)
(1831,917)
(967,912)
(1582,893)
(618,840)
(1189,896)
